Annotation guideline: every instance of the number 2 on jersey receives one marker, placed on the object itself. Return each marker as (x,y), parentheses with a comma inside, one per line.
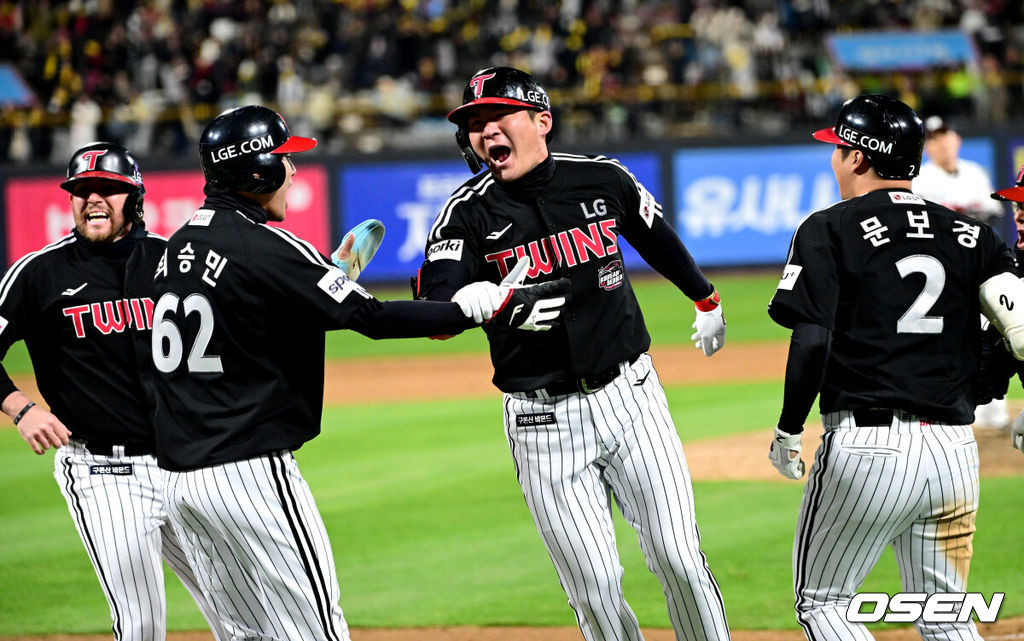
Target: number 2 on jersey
(915,320)
(164,330)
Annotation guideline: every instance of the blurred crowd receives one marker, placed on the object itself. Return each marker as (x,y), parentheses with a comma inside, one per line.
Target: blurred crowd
(368,75)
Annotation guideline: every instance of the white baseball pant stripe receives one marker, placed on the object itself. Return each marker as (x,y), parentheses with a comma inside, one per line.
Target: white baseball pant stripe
(116,503)
(252,531)
(618,441)
(910,485)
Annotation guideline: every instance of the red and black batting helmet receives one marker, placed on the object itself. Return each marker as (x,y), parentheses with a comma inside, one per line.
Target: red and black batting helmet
(1013,194)
(108,161)
(241,149)
(495,86)
(888,131)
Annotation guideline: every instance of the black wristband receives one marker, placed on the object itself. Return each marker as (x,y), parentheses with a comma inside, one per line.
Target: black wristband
(22,412)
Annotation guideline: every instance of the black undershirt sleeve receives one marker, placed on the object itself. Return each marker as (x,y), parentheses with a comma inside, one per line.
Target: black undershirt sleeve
(809,350)
(661,247)
(409,319)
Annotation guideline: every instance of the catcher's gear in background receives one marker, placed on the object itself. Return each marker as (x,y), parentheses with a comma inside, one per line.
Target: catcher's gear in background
(495,86)
(785,454)
(110,162)
(367,237)
(240,150)
(887,131)
(710,325)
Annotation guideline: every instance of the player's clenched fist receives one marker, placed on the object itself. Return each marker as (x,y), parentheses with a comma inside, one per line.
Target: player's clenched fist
(710,325)
(42,430)
(1017,432)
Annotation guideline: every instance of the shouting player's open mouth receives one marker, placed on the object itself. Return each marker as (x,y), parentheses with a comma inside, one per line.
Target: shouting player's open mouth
(499,154)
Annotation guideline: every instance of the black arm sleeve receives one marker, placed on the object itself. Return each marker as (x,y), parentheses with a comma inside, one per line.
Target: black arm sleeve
(809,350)
(661,247)
(7,386)
(409,319)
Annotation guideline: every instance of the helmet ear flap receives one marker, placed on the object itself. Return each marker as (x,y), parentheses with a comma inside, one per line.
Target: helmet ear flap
(462,140)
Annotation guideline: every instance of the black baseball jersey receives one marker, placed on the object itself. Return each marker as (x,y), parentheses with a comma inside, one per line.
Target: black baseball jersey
(242,308)
(85,310)
(567,215)
(895,278)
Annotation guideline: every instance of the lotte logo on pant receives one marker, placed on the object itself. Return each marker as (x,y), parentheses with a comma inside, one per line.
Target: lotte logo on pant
(907,607)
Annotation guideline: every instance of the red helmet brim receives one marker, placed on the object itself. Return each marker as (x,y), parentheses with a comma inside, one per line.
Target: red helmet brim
(829,135)
(295,144)
(104,175)
(459,112)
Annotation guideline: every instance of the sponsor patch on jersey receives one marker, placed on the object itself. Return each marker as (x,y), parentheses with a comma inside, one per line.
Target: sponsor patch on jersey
(3,324)
(610,276)
(543,418)
(121,469)
(450,249)
(789,275)
(201,218)
(338,286)
(900,197)
(648,206)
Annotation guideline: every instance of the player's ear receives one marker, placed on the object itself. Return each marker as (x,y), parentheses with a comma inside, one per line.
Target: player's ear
(861,164)
(544,123)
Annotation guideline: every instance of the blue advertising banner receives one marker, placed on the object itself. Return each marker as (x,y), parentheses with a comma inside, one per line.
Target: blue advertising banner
(740,206)
(407,196)
(894,50)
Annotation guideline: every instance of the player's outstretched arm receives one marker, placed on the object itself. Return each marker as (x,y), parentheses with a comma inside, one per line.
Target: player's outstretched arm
(36,425)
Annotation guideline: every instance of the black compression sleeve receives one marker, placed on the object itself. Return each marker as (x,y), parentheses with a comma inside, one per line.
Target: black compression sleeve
(661,247)
(809,350)
(7,386)
(409,319)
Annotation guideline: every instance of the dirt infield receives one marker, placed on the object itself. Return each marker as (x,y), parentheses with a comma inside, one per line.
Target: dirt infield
(463,376)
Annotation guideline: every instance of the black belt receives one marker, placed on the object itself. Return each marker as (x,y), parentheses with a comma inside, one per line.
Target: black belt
(131,448)
(872,417)
(585,385)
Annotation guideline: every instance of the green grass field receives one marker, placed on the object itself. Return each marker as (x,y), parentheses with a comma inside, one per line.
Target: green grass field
(429,527)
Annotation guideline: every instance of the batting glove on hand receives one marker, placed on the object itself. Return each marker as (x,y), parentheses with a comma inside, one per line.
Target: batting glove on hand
(710,325)
(366,239)
(480,300)
(785,454)
(1017,431)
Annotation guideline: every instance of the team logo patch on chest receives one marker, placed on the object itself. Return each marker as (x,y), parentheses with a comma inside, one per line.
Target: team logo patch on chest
(124,469)
(543,418)
(610,276)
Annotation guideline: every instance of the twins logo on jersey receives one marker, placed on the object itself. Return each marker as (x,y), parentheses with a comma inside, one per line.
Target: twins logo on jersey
(112,316)
(578,245)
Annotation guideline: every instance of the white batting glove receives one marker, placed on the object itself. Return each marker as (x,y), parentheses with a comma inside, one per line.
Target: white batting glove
(1017,432)
(710,325)
(785,454)
(481,299)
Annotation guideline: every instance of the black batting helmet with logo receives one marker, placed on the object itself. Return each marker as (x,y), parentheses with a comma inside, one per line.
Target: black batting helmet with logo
(240,150)
(107,161)
(889,133)
(495,86)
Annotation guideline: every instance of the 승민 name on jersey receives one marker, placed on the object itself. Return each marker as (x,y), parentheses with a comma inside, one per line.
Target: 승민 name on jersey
(112,316)
(578,245)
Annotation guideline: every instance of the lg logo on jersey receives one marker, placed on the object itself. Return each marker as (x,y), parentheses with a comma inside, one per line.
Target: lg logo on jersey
(907,607)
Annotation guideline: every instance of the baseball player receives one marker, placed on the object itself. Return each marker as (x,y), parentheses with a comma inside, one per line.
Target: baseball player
(83,306)
(1015,195)
(963,186)
(585,414)
(238,349)
(883,291)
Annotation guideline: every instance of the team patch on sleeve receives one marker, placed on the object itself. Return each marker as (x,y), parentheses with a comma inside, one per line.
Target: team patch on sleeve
(338,286)
(648,206)
(450,249)
(790,273)
(201,218)
(3,324)
(902,197)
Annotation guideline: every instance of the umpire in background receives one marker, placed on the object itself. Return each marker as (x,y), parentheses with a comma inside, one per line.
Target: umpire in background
(238,348)
(84,305)
(585,414)
(883,292)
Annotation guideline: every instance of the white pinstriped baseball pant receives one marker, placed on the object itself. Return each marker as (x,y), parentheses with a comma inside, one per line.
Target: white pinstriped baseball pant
(910,485)
(619,440)
(117,505)
(255,537)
